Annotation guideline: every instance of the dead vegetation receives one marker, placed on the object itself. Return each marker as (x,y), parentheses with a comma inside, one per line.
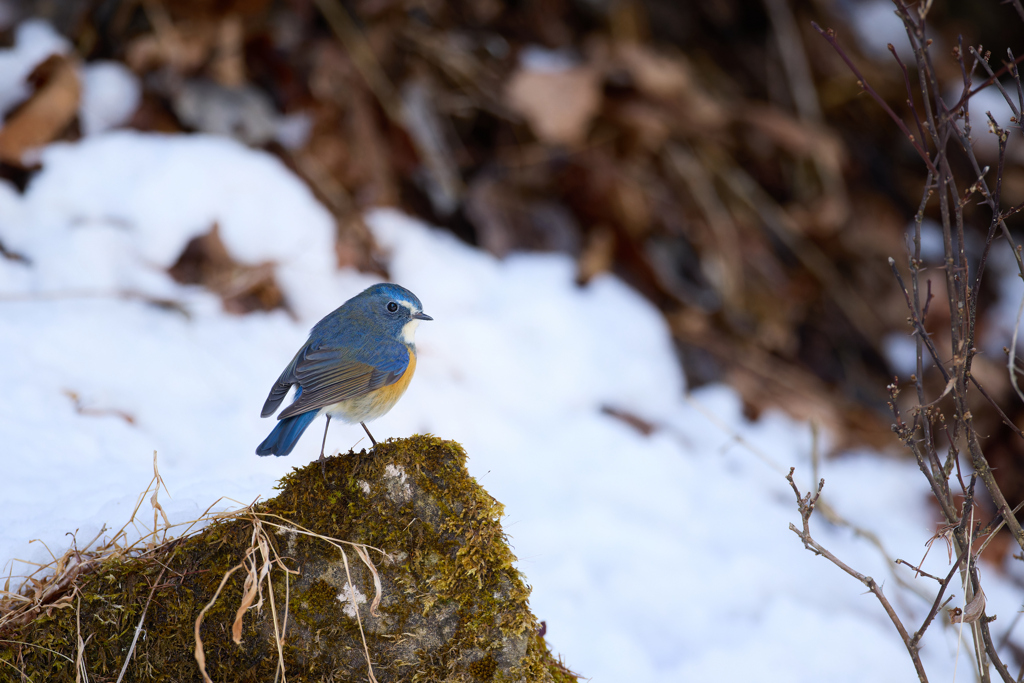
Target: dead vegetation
(937,425)
(387,566)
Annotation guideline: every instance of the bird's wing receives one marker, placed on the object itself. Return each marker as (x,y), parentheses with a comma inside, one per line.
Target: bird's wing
(280,388)
(329,375)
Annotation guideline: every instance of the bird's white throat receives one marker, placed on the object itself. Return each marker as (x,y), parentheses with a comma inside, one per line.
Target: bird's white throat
(409,331)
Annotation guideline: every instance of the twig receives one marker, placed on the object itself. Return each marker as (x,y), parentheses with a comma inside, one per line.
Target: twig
(919,329)
(806,505)
(1006,420)
(830,36)
(994,80)
(938,603)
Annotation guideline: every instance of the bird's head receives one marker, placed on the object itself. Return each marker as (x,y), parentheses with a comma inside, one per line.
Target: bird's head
(395,308)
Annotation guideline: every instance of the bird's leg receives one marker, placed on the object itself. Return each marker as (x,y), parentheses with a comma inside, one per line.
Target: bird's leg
(372,440)
(323,466)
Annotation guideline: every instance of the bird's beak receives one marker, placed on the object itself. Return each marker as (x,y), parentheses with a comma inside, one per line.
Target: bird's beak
(421,316)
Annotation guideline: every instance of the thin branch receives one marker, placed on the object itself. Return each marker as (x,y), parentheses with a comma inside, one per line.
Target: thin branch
(994,80)
(1020,10)
(830,36)
(1006,420)
(918,324)
(910,98)
(1015,74)
(938,604)
(806,504)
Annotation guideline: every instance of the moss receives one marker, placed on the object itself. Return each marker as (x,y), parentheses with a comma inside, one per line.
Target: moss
(483,669)
(454,608)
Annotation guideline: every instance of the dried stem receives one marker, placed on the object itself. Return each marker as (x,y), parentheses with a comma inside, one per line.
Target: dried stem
(806,506)
(939,131)
(830,36)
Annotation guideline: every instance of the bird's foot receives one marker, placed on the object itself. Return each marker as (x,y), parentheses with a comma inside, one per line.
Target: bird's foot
(366,429)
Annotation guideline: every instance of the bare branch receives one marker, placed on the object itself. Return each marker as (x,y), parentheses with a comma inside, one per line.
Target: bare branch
(830,36)
(805,504)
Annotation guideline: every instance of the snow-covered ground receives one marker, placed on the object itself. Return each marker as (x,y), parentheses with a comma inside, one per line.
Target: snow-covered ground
(664,557)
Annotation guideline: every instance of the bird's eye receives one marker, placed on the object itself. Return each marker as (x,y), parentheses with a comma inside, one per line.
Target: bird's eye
(392,306)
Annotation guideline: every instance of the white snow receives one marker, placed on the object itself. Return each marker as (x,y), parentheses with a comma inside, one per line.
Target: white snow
(545,60)
(34,41)
(110,95)
(652,558)
(876,26)
(901,352)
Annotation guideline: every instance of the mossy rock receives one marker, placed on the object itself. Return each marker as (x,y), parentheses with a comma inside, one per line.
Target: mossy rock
(453,607)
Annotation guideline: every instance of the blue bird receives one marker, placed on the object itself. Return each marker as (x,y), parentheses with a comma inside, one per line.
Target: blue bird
(356,364)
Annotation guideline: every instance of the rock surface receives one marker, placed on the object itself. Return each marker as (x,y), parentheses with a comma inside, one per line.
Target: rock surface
(451,605)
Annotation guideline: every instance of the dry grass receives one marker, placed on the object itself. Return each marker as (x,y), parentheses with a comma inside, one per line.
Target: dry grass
(259,561)
(52,585)
(55,584)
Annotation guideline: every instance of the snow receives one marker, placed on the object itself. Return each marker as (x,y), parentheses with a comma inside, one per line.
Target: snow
(901,353)
(876,26)
(34,41)
(545,60)
(664,557)
(110,95)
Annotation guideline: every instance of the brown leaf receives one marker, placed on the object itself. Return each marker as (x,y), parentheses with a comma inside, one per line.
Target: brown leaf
(46,114)
(598,255)
(559,105)
(507,218)
(799,138)
(183,46)
(668,78)
(972,612)
(243,288)
(655,75)
(227,66)
(649,125)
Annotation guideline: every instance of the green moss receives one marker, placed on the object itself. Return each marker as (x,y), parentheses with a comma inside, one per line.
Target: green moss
(483,669)
(454,608)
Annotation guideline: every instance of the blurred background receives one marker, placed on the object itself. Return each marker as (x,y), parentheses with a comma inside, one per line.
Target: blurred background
(717,156)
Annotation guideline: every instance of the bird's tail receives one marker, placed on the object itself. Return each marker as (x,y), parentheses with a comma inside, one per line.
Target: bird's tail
(286,434)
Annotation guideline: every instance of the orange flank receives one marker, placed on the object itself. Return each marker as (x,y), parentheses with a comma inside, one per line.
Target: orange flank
(375,403)
(387,396)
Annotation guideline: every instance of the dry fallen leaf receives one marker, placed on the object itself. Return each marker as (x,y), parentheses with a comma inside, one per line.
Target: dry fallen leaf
(598,255)
(46,114)
(506,217)
(242,287)
(655,75)
(227,66)
(972,612)
(799,138)
(558,105)
(668,78)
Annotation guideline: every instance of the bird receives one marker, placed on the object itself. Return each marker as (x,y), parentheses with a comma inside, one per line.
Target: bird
(355,365)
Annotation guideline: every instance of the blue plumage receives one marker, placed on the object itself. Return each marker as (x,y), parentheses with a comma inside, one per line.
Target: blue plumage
(286,434)
(355,366)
